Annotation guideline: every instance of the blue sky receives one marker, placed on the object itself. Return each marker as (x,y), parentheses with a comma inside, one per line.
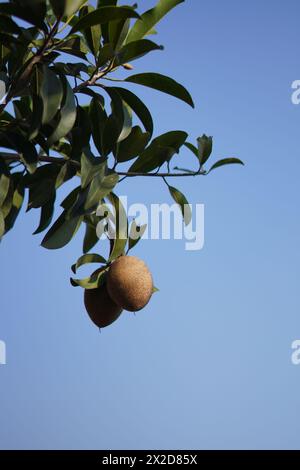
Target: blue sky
(207,364)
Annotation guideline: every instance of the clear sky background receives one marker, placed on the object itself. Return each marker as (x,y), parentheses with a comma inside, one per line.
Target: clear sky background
(208,363)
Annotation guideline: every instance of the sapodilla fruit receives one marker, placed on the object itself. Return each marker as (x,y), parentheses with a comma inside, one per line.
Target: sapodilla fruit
(101,309)
(129,283)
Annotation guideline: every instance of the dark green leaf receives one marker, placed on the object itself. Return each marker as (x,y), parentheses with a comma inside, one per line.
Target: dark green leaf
(121,227)
(90,237)
(32,11)
(136,49)
(4,188)
(181,200)
(17,202)
(99,188)
(41,193)
(98,118)
(163,84)
(92,35)
(27,151)
(127,125)
(91,282)
(66,172)
(87,259)
(133,145)
(67,114)
(90,166)
(104,15)
(70,200)
(137,107)
(136,233)
(47,212)
(226,161)
(8,25)
(74,45)
(160,150)
(117,32)
(150,18)
(66,7)
(2,224)
(51,93)
(115,123)
(61,232)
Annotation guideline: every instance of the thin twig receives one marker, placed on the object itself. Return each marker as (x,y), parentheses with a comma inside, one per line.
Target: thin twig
(10,157)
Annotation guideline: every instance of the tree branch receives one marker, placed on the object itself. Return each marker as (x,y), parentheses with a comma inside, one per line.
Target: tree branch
(12,157)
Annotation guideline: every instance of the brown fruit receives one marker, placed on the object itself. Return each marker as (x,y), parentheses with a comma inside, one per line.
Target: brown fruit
(101,308)
(129,283)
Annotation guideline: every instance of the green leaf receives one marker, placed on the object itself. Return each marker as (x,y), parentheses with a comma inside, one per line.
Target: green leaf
(87,259)
(137,107)
(92,282)
(136,49)
(117,32)
(2,224)
(106,53)
(70,200)
(47,212)
(41,193)
(99,188)
(66,172)
(66,7)
(8,25)
(98,118)
(92,35)
(161,150)
(133,145)
(226,161)
(150,18)
(104,15)
(4,188)
(127,124)
(67,114)
(32,11)
(90,166)
(162,83)
(90,237)
(17,201)
(50,92)
(121,228)
(37,107)
(136,233)
(61,232)
(181,200)
(73,45)
(205,145)
(114,124)
(27,150)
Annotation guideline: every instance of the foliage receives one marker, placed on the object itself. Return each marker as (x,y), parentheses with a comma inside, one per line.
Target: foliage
(58,62)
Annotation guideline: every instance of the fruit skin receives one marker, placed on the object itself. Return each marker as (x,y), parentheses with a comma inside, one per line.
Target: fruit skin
(129,283)
(101,309)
